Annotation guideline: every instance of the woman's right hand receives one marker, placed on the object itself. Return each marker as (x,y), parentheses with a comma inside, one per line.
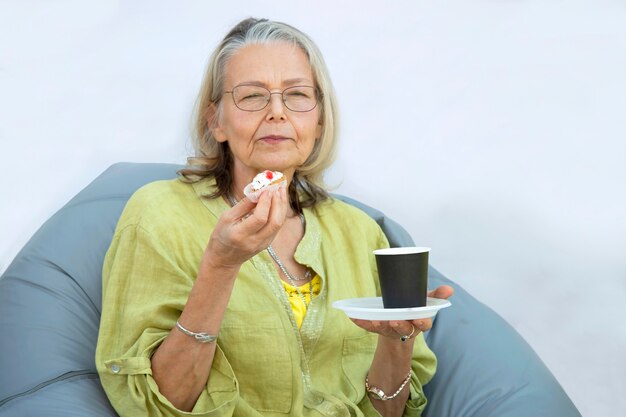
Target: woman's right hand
(246,229)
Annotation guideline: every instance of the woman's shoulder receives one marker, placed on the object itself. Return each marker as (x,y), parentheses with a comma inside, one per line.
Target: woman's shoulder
(158,202)
(158,193)
(344,214)
(345,225)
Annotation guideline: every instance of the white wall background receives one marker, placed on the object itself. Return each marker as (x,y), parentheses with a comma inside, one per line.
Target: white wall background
(497,128)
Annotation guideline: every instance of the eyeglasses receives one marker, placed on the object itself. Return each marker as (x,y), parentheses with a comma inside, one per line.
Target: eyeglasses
(300,98)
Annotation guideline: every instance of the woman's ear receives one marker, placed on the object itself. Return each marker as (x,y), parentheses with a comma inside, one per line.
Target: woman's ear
(318,131)
(212,119)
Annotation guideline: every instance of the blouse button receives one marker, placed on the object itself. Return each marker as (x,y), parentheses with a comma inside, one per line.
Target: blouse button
(115,368)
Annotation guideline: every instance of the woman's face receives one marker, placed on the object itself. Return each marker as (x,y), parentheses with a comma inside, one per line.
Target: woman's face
(274,138)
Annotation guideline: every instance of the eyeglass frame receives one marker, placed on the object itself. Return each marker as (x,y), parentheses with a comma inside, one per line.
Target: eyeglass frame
(318,96)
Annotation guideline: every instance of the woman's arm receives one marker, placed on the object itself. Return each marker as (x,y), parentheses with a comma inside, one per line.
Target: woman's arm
(389,369)
(181,365)
(392,359)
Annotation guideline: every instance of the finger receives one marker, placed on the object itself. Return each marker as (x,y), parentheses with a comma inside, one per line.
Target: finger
(384,328)
(258,218)
(240,210)
(277,214)
(375,326)
(423,325)
(444,292)
(402,327)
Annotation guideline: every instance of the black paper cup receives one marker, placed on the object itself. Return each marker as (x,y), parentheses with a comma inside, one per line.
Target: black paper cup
(403,276)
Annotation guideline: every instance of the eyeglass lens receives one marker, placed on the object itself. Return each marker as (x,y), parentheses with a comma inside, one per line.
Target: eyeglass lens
(255,98)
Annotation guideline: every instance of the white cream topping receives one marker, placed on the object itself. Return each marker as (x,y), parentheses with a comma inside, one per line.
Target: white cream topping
(265,178)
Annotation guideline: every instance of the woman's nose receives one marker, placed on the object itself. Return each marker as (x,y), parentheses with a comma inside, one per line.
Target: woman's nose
(276,106)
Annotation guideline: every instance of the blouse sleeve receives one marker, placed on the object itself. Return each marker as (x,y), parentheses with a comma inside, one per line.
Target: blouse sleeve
(145,287)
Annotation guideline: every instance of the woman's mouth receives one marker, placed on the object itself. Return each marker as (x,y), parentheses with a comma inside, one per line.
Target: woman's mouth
(273,139)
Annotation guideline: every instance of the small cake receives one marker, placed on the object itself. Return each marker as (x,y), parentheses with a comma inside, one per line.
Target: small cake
(261,182)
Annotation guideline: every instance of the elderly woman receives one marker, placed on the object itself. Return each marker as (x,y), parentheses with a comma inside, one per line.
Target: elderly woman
(243,325)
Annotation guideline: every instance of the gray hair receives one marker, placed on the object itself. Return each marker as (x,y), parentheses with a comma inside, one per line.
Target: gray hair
(213,158)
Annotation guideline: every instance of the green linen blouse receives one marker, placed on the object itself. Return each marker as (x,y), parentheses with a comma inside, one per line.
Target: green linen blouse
(264,365)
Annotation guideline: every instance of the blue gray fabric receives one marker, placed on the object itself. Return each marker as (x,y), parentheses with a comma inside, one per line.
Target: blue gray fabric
(50,303)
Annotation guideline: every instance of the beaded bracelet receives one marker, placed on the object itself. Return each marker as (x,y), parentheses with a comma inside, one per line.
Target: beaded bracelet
(379,394)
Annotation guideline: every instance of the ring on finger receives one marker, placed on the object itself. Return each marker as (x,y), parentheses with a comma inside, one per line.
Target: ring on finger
(404,338)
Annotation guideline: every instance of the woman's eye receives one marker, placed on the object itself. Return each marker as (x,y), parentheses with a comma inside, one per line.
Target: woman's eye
(253,96)
(297,93)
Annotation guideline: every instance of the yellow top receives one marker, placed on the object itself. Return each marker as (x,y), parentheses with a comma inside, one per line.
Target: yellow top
(297,305)
(264,364)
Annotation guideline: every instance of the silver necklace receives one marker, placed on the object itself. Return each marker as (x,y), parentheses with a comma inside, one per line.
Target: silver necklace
(290,277)
(270,250)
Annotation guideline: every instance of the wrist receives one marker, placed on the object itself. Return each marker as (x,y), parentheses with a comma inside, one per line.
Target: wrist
(214,267)
(390,363)
(378,394)
(396,346)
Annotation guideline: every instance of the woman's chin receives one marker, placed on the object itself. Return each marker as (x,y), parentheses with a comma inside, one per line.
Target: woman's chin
(274,165)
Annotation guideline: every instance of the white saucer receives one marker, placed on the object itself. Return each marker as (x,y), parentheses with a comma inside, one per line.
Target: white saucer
(372,309)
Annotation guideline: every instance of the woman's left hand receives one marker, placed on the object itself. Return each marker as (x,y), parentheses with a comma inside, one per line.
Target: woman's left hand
(395,329)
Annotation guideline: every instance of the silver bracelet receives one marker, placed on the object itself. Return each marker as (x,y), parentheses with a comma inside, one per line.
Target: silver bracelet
(379,394)
(200,337)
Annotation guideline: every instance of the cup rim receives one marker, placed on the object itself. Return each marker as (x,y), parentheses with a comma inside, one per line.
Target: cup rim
(407,250)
